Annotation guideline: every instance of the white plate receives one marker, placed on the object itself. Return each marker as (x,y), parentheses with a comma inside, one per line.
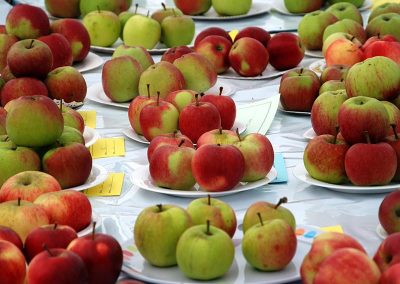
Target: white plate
(240,272)
(89,229)
(97,175)
(318,66)
(269,72)
(130,133)
(381,232)
(159,49)
(95,93)
(280,107)
(92,61)
(142,179)
(90,135)
(259,7)
(314,53)
(309,134)
(301,173)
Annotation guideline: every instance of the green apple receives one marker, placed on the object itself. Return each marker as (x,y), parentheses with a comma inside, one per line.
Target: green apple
(204,252)
(269,245)
(357,3)
(3,115)
(73,118)
(181,98)
(103,27)
(332,85)
(161,14)
(297,7)
(115,6)
(384,24)
(268,211)
(120,78)
(346,26)
(346,10)
(143,31)
(388,7)
(70,135)
(177,30)
(335,36)
(123,18)
(231,7)
(311,28)
(157,230)
(219,213)
(136,52)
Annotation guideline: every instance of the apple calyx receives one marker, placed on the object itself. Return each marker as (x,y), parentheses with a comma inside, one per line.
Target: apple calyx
(55,226)
(94,230)
(280,202)
(46,248)
(208,228)
(260,218)
(181,142)
(366,135)
(221,90)
(396,136)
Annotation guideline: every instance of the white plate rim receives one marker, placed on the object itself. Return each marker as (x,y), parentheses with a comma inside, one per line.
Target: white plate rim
(381,232)
(300,173)
(318,66)
(269,73)
(314,53)
(91,136)
(88,230)
(100,176)
(280,108)
(91,62)
(137,179)
(309,134)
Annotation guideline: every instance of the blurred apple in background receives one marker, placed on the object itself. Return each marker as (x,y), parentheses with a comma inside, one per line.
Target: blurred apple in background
(115,6)
(391,275)
(334,72)
(60,48)
(344,52)
(388,7)
(31,58)
(162,77)
(226,107)
(217,31)
(66,207)
(384,24)
(12,261)
(9,235)
(389,213)
(232,7)
(77,35)
(140,30)
(195,7)
(257,33)
(6,41)
(346,26)
(357,3)
(312,26)
(177,30)
(363,79)
(297,7)
(248,57)
(198,72)
(157,230)
(388,252)
(63,9)
(332,85)
(136,52)
(335,36)
(216,50)
(120,78)
(22,87)
(285,51)
(134,109)
(346,10)
(167,139)
(217,136)
(28,185)
(175,52)
(27,22)
(73,119)
(129,281)
(105,21)
(181,98)
(205,252)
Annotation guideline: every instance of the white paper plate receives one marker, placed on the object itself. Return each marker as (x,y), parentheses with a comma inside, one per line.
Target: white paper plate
(88,230)
(142,179)
(98,175)
(314,53)
(309,134)
(318,66)
(160,48)
(130,133)
(259,7)
(280,108)
(95,93)
(90,135)
(92,61)
(301,173)
(381,232)
(269,72)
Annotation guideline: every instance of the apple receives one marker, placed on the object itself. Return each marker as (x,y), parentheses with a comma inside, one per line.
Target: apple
(394,117)
(205,252)
(161,14)
(220,173)
(285,51)
(269,245)
(388,252)
(363,79)
(232,7)
(268,211)
(297,7)
(334,72)
(388,7)
(77,35)
(175,52)
(157,230)
(136,52)
(60,49)
(338,35)
(257,33)
(388,48)
(63,9)
(346,10)
(393,140)
(70,135)
(66,207)
(324,112)
(27,22)
(34,121)
(140,30)
(53,235)
(388,213)
(6,74)
(391,275)
(3,115)
(20,87)
(211,31)
(196,7)
(120,78)
(198,72)
(134,109)
(167,139)
(216,49)
(217,136)
(312,26)
(357,3)
(198,118)
(346,26)
(384,24)
(6,41)
(163,77)
(129,281)
(248,57)
(344,52)
(177,30)
(3,29)
(105,21)
(73,118)
(102,255)
(115,6)
(12,261)
(28,185)
(332,85)
(30,58)
(9,235)
(57,265)
(181,98)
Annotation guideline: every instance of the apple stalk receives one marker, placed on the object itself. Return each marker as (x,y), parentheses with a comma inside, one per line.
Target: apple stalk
(280,202)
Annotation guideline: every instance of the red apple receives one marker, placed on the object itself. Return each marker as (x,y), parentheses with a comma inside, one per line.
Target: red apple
(285,51)
(8,234)
(389,212)
(167,139)
(60,48)
(73,119)
(135,107)
(216,49)
(388,252)
(344,52)
(6,41)
(12,262)
(19,87)
(372,39)
(3,115)
(175,52)
(334,72)
(388,48)
(129,281)
(211,31)
(63,9)
(391,275)
(257,33)
(218,136)
(3,29)
(194,7)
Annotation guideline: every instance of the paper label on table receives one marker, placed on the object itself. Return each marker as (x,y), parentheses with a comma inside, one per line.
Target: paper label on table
(258,115)
(89,117)
(279,165)
(233,34)
(335,229)
(108,147)
(111,187)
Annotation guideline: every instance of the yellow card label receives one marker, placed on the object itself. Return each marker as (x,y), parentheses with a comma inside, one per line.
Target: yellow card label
(89,117)
(335,229)
(111,187)
(233,34)
(108,147)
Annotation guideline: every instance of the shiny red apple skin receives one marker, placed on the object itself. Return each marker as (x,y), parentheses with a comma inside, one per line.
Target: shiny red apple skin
(388,252)
(216,50)
(167,139)
(389,212)
(175,52)
(391,275)
(211,31)
(226,107)
(285,51)
(12,262)
(257,33)
(23,86)
(8,234)
(60,48)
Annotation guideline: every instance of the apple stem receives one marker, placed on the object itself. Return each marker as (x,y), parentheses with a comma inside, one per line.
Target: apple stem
(209,199)
(301,71)
(163,5)
(61,105)
(148,91)
(148,13)
(352,38)
(282,200)
(46,248)
(366,135)
(175,133)
(19,201)
(221,90)
(159,207)
(181,142)
(394,131)
(336,134)
(238,134)
(31,44)
(173,11)
(158,98)
(136,7)
(55,226)
(196,96)
(208,228)
(220,130)
(93,230)
(260,218)
(98,8)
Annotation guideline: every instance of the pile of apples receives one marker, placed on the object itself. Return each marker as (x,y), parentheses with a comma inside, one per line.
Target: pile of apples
(222,7)
(297,7)
(199,239)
